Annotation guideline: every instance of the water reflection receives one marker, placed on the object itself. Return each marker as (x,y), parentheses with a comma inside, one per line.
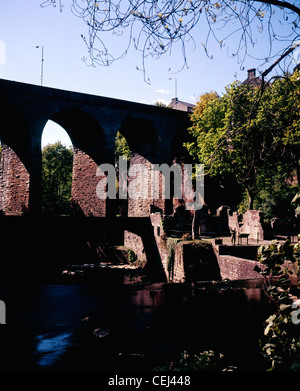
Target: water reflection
(50,348)
(149,296)
(253,294)
(108,326)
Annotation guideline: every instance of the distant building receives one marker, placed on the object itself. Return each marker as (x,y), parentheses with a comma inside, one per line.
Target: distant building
(252,78)
(183,106)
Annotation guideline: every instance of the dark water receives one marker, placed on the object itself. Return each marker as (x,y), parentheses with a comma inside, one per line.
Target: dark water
(107,325)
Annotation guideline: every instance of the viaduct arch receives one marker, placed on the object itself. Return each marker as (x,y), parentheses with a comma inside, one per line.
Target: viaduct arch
(92,123)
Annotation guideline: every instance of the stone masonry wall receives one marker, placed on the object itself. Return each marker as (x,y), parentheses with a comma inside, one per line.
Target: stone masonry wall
(253,224)
(234,268)
(14,183)
(135,243)
(160,239)
(195,261)
(84,184)
(141,180)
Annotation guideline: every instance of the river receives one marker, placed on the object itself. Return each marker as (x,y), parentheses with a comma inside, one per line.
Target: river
(111,324)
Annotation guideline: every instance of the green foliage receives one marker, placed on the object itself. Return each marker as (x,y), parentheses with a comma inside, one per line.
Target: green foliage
(57,163)
(248,134)
(274,199)
(273,257)
(207,360)
(281,343)
(202,103)
(166,225)
(243,205)
(121,147)
(171,244)
(275,191)
(159,103)
(132,257)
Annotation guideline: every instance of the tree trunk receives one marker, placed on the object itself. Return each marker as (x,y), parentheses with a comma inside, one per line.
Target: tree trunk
(250,199)
(193,225)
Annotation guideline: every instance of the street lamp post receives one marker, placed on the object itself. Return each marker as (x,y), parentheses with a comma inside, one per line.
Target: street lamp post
(176,98)
(42,65)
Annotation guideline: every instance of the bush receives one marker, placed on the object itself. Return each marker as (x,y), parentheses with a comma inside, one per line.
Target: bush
(207,360)
(281,341)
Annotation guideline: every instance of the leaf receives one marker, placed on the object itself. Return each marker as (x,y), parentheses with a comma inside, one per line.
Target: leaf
(283,307)
(267,329)
(271,318)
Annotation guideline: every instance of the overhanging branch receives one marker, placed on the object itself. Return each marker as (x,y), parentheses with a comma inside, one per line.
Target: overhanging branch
(283,4)
(285,54)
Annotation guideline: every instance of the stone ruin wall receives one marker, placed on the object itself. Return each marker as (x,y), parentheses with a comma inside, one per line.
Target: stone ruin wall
(14,183)
(84,184)
(230,267)
(251,222)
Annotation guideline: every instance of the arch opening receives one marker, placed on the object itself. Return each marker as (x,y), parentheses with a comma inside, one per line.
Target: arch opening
(57,168)
(122,153)
(54,132)
(89,150)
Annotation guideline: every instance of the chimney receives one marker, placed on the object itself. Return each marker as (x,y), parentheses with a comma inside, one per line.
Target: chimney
(174,103)
(251,73)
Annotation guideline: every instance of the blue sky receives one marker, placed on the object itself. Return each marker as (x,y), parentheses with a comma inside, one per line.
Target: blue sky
(25,25)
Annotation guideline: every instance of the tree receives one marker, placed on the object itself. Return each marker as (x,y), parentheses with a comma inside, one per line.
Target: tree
(159,103)
(57,162)
(248,134)
(154,27)
(278,182)
(220,131)
(202,102)
(276,188)
(121,147)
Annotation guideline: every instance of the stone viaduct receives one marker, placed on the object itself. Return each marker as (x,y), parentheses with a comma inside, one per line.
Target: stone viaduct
(153,134)
(92,123)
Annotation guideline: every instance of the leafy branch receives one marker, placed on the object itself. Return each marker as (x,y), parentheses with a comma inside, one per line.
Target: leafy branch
(154,27)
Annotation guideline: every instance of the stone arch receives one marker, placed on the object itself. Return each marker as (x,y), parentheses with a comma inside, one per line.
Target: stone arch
(178,152)
(89,152)
(142,137)
(53,132)
(15,162)
(84,131)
